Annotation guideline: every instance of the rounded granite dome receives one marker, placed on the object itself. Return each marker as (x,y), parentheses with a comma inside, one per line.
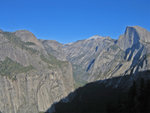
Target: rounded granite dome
(27,36)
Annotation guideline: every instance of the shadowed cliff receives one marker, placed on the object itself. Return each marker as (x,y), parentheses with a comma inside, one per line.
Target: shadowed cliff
(129,93)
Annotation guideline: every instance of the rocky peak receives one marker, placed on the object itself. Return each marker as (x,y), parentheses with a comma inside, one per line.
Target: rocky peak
(95,37)
(98,37)
(27,36)
(132,36)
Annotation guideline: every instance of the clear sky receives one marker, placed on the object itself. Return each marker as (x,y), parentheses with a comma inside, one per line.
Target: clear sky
(70,20)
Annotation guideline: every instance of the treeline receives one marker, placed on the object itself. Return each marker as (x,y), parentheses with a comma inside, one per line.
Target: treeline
(137,101)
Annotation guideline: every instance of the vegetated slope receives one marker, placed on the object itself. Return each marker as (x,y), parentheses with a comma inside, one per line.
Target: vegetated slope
(31,79)
(130,95)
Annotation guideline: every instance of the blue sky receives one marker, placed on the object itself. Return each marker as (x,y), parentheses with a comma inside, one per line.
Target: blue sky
(70,20)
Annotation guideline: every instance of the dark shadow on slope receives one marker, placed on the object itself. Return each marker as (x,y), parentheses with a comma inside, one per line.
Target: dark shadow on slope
(90,65)
(124,94)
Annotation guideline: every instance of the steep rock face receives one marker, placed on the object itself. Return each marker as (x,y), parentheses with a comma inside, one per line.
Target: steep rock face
(133,36)
(82,51)
(130,55)
(107,63)
(129,39)
(135,43)
(93,56)
(55,48)
(82,54)
(31,79)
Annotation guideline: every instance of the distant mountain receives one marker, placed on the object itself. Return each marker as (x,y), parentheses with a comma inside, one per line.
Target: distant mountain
(99,58)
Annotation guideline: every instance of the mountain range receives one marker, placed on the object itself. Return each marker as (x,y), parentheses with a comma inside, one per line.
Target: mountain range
(36,73)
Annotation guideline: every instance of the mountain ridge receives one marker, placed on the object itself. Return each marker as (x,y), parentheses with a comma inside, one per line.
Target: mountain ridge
(45,71)
(92,37)
(86,52)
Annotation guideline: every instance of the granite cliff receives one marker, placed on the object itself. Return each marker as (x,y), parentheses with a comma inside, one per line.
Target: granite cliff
(31,78)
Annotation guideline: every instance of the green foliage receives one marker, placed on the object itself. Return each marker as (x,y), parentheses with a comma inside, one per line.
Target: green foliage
(29,43)
(79,83)
(45,59)
(10,68)
(114,47)
(53,61)
(138,100)
(78,74)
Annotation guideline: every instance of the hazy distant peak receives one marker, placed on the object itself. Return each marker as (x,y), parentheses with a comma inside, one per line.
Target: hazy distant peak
(97,37)
(69,43)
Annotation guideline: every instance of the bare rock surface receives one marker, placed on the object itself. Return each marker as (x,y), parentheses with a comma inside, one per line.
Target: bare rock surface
(31,79)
